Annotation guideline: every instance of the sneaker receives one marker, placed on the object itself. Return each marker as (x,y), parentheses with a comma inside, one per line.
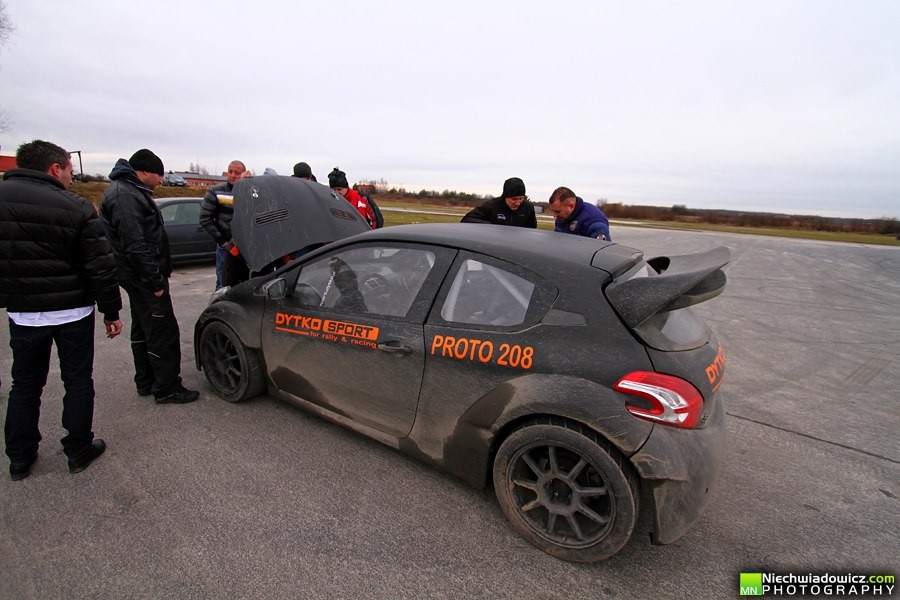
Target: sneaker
(97,448)
(182,396)
(144,391)
(19,471)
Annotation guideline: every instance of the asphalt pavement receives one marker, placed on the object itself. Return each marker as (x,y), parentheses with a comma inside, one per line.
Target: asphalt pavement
(261,500)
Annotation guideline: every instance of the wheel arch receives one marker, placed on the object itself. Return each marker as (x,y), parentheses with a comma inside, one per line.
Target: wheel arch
(470,451)
(233,316)
(551,419)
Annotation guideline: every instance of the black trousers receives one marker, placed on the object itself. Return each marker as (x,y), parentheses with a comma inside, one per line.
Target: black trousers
(31,364)
(155,340)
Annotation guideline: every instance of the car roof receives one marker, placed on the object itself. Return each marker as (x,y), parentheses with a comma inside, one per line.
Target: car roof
(169,200)
(512,244)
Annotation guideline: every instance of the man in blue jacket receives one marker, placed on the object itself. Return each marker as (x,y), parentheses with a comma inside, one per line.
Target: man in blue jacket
(574,215)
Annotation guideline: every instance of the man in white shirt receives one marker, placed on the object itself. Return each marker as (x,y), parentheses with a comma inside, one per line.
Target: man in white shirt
(55,264)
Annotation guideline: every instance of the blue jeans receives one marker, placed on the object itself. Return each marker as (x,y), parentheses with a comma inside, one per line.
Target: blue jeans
(221,253)
(31,364)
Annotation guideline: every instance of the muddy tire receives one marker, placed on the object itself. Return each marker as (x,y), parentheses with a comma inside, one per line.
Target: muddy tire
(233,370)
(565,490)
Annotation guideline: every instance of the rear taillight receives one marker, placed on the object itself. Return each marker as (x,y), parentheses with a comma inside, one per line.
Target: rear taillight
(662,398)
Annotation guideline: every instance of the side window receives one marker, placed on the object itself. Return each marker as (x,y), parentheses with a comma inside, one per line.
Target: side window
(169,213)
(182,213)
(188,214)
(482,294)
(373,279)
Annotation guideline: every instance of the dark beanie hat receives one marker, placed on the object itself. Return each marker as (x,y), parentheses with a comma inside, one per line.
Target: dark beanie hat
(144,160)
(337,179)
(301,169)
(513,187)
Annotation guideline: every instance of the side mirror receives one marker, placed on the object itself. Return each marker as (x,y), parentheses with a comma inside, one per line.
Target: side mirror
(275,289)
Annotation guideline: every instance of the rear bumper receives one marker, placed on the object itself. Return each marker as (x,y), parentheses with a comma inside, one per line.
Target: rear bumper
(681,469)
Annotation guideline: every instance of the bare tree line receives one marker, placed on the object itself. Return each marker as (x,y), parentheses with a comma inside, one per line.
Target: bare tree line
(683,214)
(6,28)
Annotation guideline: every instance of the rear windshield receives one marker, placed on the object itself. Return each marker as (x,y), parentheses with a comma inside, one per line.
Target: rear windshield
(669,331)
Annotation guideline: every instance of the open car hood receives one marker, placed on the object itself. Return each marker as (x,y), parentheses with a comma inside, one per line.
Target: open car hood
(277,215)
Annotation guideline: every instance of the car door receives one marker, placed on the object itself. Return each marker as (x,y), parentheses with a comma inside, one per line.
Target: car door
(348,335)
(187,239)
(484,330)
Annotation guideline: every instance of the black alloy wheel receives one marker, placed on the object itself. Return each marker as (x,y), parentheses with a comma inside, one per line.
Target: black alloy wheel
(232,369)
(566,491)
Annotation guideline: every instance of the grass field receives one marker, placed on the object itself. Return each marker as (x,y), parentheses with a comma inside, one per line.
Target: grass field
(827,236)
(392,217)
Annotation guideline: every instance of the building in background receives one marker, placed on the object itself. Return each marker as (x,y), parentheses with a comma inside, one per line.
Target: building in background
(7,163)
(200,180)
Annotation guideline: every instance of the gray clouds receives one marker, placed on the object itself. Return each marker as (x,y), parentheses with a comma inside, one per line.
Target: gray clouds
(788,107)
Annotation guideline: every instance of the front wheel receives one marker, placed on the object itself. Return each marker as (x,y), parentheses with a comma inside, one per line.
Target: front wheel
(232,369)
(566,491)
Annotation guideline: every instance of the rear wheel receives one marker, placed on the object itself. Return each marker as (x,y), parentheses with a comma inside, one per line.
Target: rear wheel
(232,369)
(566,491)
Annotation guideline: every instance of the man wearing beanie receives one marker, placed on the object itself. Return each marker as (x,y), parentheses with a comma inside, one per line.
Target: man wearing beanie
(56,263)
(134,226)
(304,171)
(337,180)
(216,212)
(511,208)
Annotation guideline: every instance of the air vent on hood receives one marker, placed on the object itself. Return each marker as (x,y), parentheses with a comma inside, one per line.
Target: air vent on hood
(271,217)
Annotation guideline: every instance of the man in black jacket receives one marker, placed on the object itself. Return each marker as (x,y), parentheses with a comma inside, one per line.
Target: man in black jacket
(139,241)
(511,208)
(216,212)
(55,263)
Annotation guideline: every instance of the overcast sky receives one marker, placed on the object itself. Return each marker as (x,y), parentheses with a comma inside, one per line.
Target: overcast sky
(772,105)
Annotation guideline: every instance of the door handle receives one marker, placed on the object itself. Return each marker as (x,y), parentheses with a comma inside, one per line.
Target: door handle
(394,347)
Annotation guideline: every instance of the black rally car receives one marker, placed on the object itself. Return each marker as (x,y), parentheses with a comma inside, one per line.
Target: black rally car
(567,372)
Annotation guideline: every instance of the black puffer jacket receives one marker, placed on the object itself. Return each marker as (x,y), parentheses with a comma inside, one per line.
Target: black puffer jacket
(498,212)
(54,254)
(217,211)
(135,229)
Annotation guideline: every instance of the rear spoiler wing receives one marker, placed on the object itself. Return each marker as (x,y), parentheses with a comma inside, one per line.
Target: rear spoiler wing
(681,281)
